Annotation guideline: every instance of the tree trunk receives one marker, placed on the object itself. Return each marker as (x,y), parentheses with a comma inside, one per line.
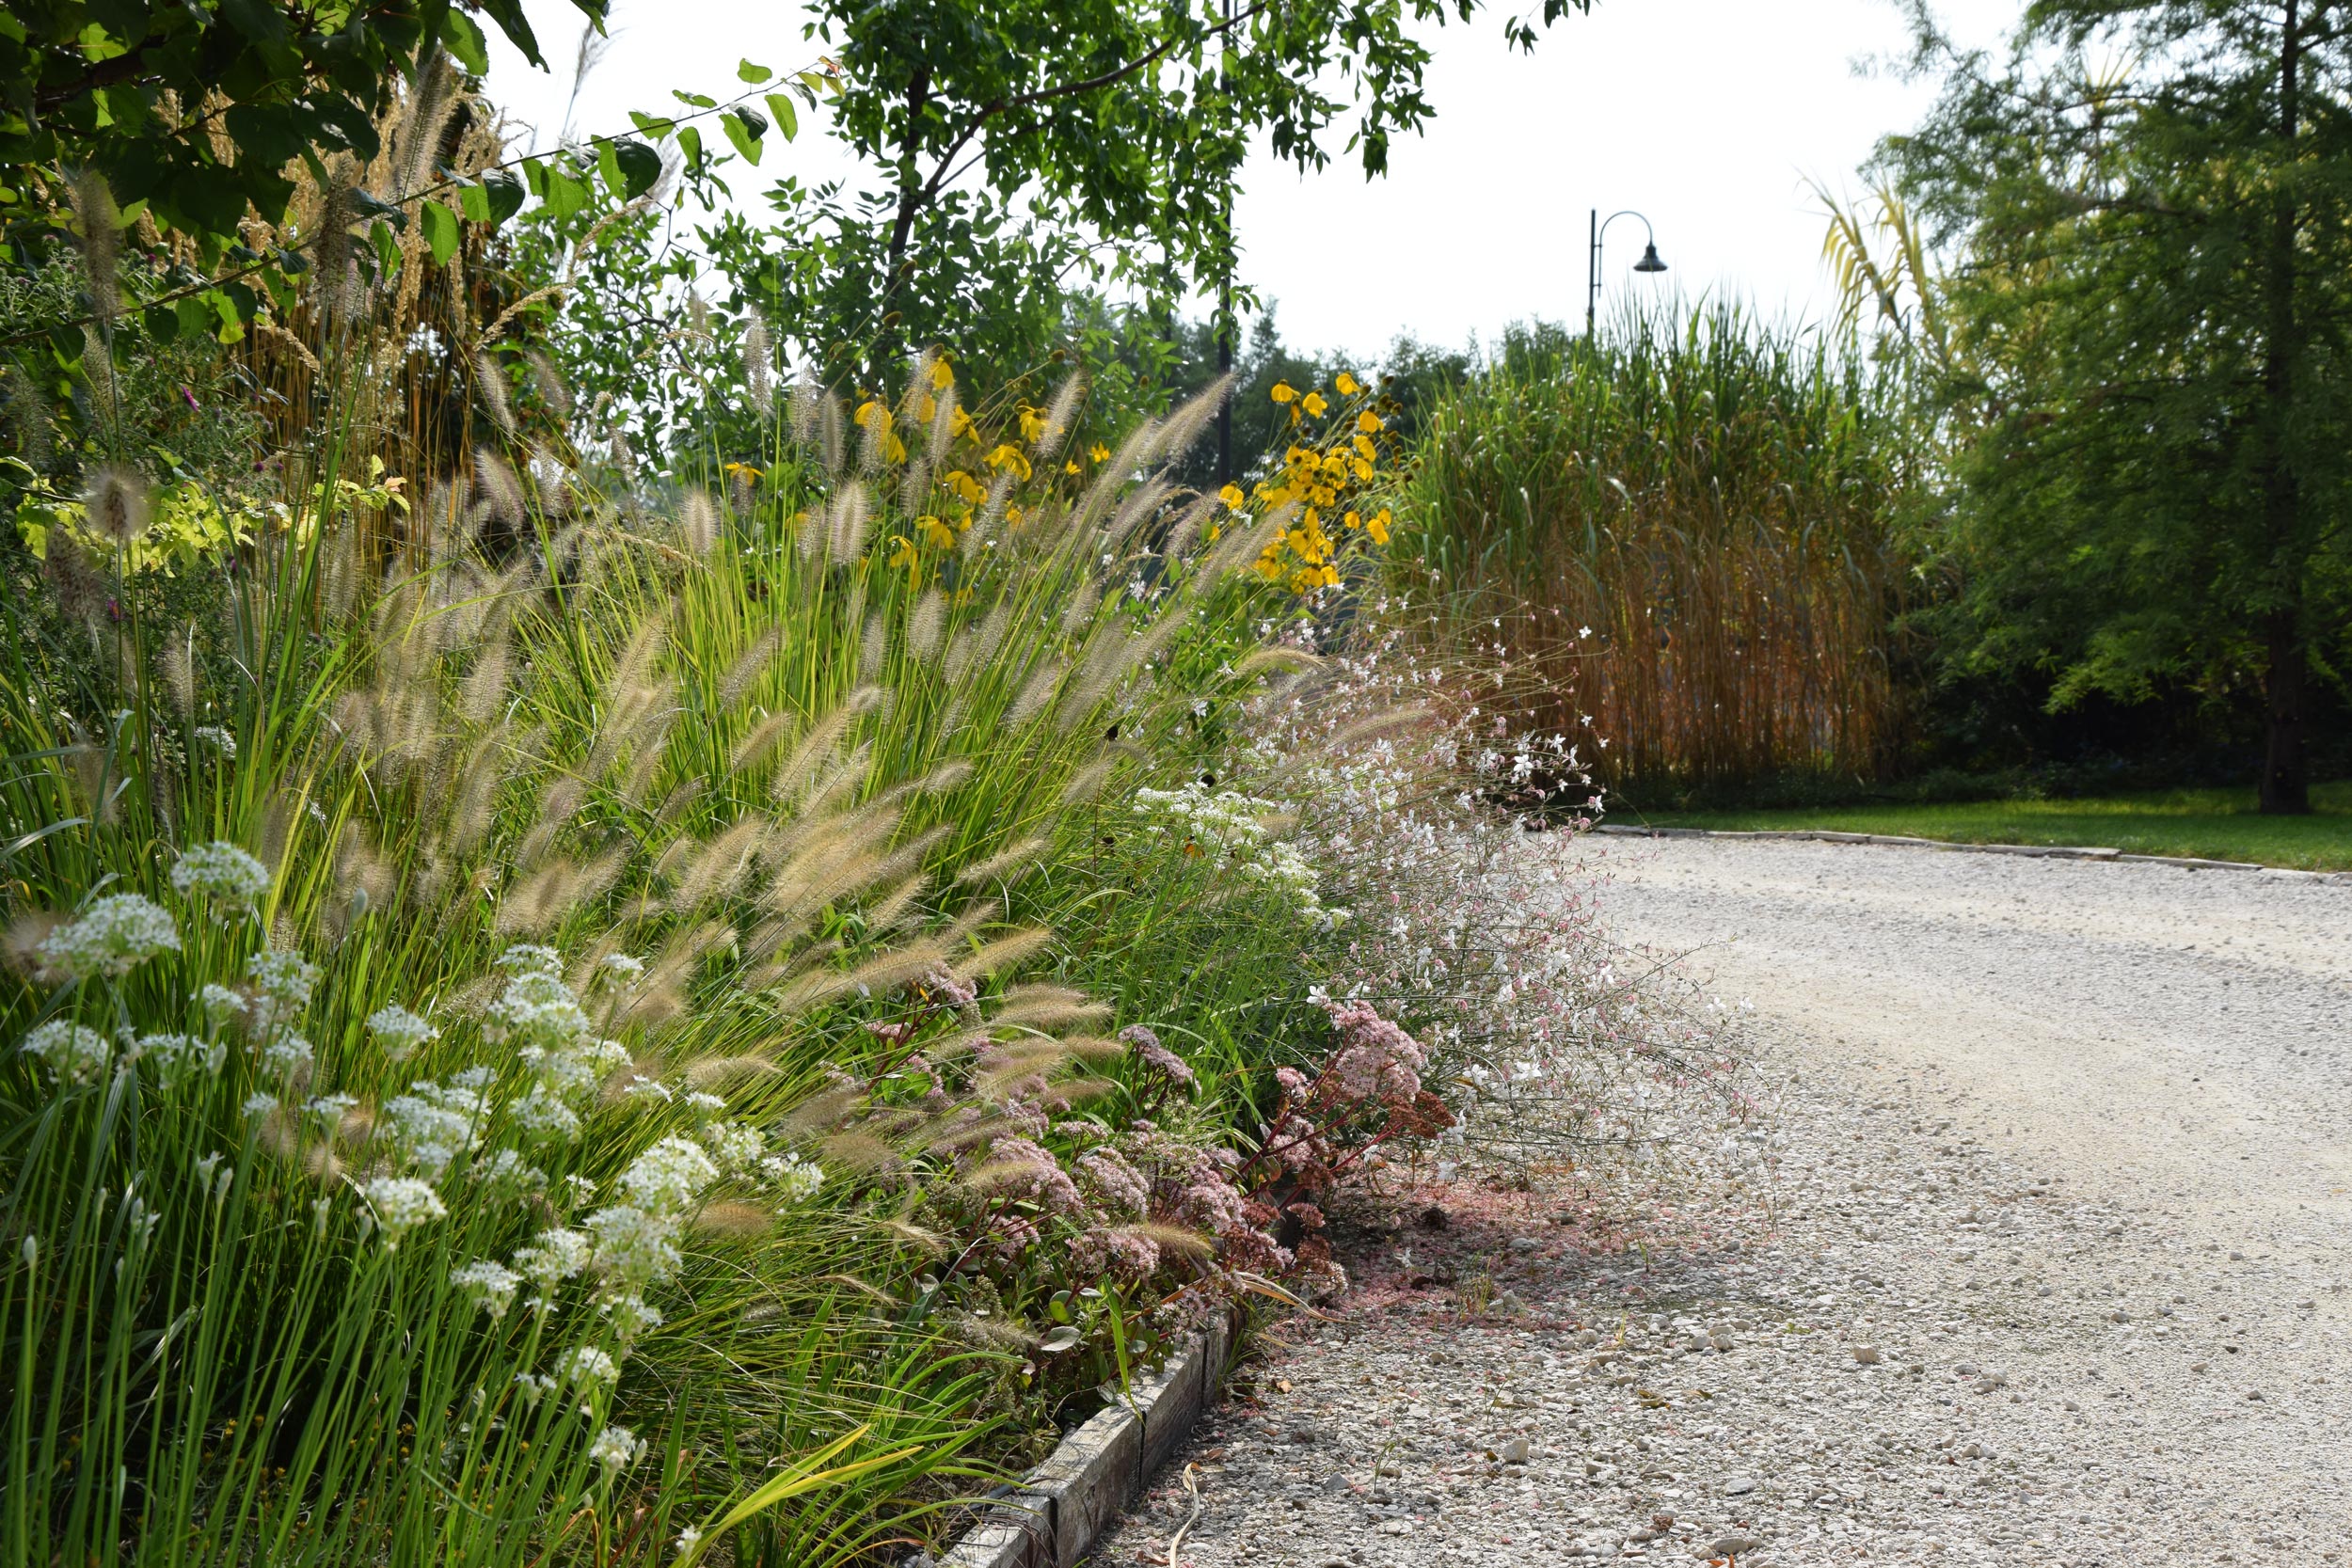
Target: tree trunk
(2286,785)
(2286,782)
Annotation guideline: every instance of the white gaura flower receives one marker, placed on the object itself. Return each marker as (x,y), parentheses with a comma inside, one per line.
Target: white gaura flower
(491,1286)
(401,1203)
(75,1056)
(111,938)
(224,872)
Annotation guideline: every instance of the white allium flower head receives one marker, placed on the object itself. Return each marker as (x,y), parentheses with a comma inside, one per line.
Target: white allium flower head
(491,1286)
(400,1031)
(589,1368)
(666,1177)
(224,872)
(615,1448)
(401,1203)
(111,938)
(74,1054)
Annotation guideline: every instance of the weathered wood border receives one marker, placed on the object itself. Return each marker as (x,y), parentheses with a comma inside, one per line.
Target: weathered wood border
(1059,1510)
(2037,851)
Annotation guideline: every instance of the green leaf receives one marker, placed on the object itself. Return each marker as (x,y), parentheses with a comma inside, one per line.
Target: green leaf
(640,165)
(505,194)
(1060,1340)
(563,193)
(464,40)
(744,128)
(162,322)
(801,1477)
(690,142)
(754,74)
(387,245)
(788,118)
(694,100)
(255,19)
(475,202)
(441,232)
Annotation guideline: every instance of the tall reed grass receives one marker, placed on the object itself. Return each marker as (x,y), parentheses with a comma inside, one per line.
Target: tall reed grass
(1687,527)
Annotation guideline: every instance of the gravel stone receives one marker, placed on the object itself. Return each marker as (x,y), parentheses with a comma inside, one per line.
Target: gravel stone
(2021,1104)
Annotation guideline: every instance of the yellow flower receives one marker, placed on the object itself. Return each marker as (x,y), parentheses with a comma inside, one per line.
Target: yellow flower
(1347,385)
(942,377)
(1100,453)
(904,554)
(1367,421)
(1364,446)
(935,532)
(1070,468)
(1032,423)
(963,485)
(1283,392)
(1231,497)
(1007,457)
(1379,527)
(1353,521)
(1315,406)
(959,424)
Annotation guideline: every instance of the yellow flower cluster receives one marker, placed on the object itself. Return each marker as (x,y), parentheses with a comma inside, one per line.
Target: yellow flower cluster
(968,470)
(1327,477)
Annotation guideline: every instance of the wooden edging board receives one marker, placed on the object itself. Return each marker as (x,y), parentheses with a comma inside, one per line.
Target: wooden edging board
(1096,1472)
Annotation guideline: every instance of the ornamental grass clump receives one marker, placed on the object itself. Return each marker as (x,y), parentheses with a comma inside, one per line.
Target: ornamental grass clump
(590,973)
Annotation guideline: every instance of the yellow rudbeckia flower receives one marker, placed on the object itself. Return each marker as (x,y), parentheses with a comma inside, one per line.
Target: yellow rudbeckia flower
(1347,384)
(1315,406)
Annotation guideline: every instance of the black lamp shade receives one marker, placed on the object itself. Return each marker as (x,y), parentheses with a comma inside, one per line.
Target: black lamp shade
(1650,261)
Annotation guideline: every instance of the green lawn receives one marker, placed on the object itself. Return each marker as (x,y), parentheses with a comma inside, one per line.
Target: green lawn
(2213,824)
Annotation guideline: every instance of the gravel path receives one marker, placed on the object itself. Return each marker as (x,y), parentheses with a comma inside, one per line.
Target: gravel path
(2054,1267)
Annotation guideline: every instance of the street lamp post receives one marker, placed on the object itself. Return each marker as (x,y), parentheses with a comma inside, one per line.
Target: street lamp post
(1650,261)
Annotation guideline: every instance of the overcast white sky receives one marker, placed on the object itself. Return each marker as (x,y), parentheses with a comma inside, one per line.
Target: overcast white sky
(1705,115)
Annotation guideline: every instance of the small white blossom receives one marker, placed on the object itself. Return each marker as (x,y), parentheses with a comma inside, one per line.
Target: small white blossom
(178,1057)
(113,937)
(687,1539)
(224,872)
(213,735)
(533,1388)
(257,1105)
(529,958)
(629,1314)
(287,1054)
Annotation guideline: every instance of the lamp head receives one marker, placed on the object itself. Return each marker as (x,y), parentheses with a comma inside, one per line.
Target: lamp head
(1650,261)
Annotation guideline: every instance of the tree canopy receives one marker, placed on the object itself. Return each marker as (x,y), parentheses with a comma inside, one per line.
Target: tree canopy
(2149,306)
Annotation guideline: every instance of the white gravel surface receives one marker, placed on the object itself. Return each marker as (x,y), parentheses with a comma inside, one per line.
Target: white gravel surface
(2054,1267)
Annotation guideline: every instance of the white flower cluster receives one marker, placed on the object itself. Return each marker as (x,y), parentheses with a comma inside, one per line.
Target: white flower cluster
(224,872)
(112,937)
(400,1033)
(433,1123)
(796,1179)
(1229,829)
(539,1014)
(401,1203)
(75,1055)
